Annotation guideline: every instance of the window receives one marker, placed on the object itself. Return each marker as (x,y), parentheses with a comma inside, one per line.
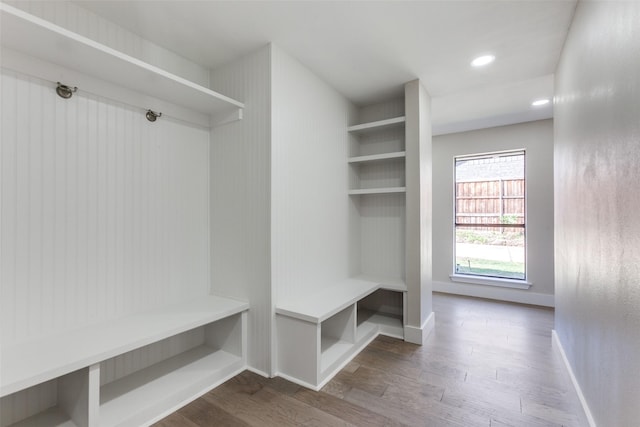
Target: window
(490,238)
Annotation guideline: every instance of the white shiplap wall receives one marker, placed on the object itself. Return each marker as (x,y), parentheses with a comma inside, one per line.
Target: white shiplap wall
(103,212)
(240,200)
(310,205)
(28,402)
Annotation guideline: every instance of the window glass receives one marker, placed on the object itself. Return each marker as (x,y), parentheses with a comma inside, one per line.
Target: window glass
(490,216)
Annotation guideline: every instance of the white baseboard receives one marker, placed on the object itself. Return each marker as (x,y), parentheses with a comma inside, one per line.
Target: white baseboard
(585,407)
(497,293)
(258,372)
(419,335)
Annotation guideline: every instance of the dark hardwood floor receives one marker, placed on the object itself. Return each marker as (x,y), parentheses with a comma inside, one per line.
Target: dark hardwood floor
(487,363)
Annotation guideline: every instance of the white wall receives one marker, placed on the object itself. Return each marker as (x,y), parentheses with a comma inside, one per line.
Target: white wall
(597,158)
(102,211)
(537,139)
(419,164)
(241,199)
(309,177)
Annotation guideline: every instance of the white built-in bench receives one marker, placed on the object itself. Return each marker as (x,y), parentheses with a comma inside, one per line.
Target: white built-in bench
(320,333)
(70,365)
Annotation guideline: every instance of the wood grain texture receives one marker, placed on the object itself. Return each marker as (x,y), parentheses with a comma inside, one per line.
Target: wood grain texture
(487,363)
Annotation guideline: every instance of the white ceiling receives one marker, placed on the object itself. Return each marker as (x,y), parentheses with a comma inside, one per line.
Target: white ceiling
(367,50)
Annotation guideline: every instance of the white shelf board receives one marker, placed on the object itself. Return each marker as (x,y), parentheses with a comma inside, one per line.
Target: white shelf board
(388,324)
(392,284)
(378,157)
(137,398)
(325,303)
(377,125)
(37,361)
(42,39)
(363,191)
(52,417)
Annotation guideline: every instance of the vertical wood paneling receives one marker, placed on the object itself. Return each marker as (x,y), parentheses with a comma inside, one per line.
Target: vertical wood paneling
(28,402)
(310,206)
(127,363)
(103,213)
(381,110)
(382,233)
(241,200)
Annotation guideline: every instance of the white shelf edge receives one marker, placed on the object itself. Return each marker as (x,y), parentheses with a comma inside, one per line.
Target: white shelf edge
(388,283)
(361,191)
(44,40)
(137,398)
(378,157)
(52,417)
(377,125)
(324,304)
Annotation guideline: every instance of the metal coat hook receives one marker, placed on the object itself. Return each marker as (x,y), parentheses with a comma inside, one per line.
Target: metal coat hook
(65,91)
(152,115)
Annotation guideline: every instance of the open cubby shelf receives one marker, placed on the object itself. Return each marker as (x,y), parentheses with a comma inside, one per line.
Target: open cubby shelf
(377,157)
(136,397)
(52,417)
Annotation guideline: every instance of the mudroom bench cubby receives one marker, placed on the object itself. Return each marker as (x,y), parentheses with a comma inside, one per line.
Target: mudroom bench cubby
(125,372)
(321,332)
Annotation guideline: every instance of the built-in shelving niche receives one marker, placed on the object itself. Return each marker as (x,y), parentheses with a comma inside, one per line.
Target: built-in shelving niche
(383,308)
(39,48)
(377,157)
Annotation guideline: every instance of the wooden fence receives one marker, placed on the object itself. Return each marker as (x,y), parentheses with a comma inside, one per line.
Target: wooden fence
(499,201)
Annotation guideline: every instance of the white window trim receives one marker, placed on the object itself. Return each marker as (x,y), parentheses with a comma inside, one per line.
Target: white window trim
(491,281)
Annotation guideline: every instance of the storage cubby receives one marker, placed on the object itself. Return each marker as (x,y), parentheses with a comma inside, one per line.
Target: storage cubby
(62,402)
(337,336)
(213,352)
(384,309)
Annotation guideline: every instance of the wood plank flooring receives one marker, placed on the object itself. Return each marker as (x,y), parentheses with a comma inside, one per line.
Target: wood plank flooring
(487,363)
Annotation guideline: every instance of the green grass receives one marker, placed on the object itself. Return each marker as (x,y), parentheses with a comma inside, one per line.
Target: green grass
(488,267)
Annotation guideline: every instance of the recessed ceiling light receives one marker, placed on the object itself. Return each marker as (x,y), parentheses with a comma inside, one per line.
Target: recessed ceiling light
(539,102)
(481,61)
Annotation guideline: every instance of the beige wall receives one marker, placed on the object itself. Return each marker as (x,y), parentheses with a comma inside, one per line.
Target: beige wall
(597,154)
(537,138)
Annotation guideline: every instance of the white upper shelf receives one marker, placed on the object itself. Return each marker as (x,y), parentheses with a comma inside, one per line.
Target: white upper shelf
(377,125)
(387,190)
(42,39)
(378,157)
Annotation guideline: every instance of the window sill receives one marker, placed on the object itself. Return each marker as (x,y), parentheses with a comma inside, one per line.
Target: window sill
(491,281)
